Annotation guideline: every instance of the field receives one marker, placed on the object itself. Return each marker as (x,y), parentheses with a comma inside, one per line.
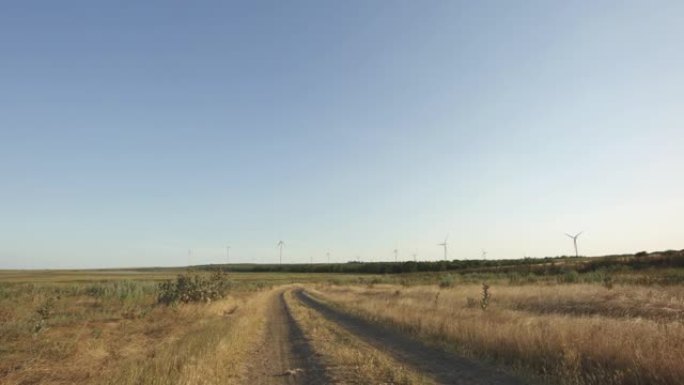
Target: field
(612,325)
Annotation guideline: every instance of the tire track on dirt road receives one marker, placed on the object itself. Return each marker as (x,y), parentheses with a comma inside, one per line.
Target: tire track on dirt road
(444,367)
(285,356)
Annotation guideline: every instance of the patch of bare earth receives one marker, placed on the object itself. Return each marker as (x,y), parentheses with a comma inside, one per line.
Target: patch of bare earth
(285,356)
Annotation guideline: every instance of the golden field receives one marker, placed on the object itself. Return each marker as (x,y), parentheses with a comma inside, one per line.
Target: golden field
(565,333)
(108,327)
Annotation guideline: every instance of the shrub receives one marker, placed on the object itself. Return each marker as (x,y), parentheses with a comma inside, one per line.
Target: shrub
(570,276)
(43,313)
(446,281)
(45,309)
(193,288)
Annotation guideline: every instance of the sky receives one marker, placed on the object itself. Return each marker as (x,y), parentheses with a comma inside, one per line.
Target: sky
(134,132)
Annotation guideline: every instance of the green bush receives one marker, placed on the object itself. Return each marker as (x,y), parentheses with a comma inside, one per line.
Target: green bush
(447,281)
(193,288)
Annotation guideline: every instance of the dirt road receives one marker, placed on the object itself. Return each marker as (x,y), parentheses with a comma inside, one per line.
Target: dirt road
(442,367)
(285,356)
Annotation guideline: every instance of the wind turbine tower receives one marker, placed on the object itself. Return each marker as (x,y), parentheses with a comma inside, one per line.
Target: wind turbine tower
(227,254)
(280,246)
(574,241)
(484,254)
(444,244)
(396,255)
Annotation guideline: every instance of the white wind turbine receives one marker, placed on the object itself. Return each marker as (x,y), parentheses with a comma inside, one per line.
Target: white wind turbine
(574,241)
(280,246)
(444,244)
(396,255)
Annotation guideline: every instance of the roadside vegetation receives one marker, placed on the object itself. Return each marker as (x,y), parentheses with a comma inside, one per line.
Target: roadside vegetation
(126,332)
(212,350)
(566,333)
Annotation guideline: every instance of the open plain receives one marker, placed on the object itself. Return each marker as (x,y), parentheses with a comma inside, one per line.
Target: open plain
(162,326)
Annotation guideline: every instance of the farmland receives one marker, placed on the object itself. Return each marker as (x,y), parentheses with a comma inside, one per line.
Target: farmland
(612,320)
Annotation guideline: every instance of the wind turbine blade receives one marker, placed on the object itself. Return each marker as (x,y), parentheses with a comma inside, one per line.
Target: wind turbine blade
(569,235)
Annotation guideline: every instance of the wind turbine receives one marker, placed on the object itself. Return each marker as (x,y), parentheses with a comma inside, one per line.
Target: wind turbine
(484,254)
(328,256)
(445,246)
(574,241)
(227,254)
(280,246)
(396,255)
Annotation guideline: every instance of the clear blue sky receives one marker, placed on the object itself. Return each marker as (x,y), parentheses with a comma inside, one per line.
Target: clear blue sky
(133,131)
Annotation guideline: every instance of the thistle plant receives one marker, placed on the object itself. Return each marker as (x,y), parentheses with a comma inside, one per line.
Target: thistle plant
(486,296)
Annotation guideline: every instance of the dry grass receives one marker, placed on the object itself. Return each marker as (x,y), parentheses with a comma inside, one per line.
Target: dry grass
(95,332)
(574,334)
(114,333)
(213,351)
(348,359)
